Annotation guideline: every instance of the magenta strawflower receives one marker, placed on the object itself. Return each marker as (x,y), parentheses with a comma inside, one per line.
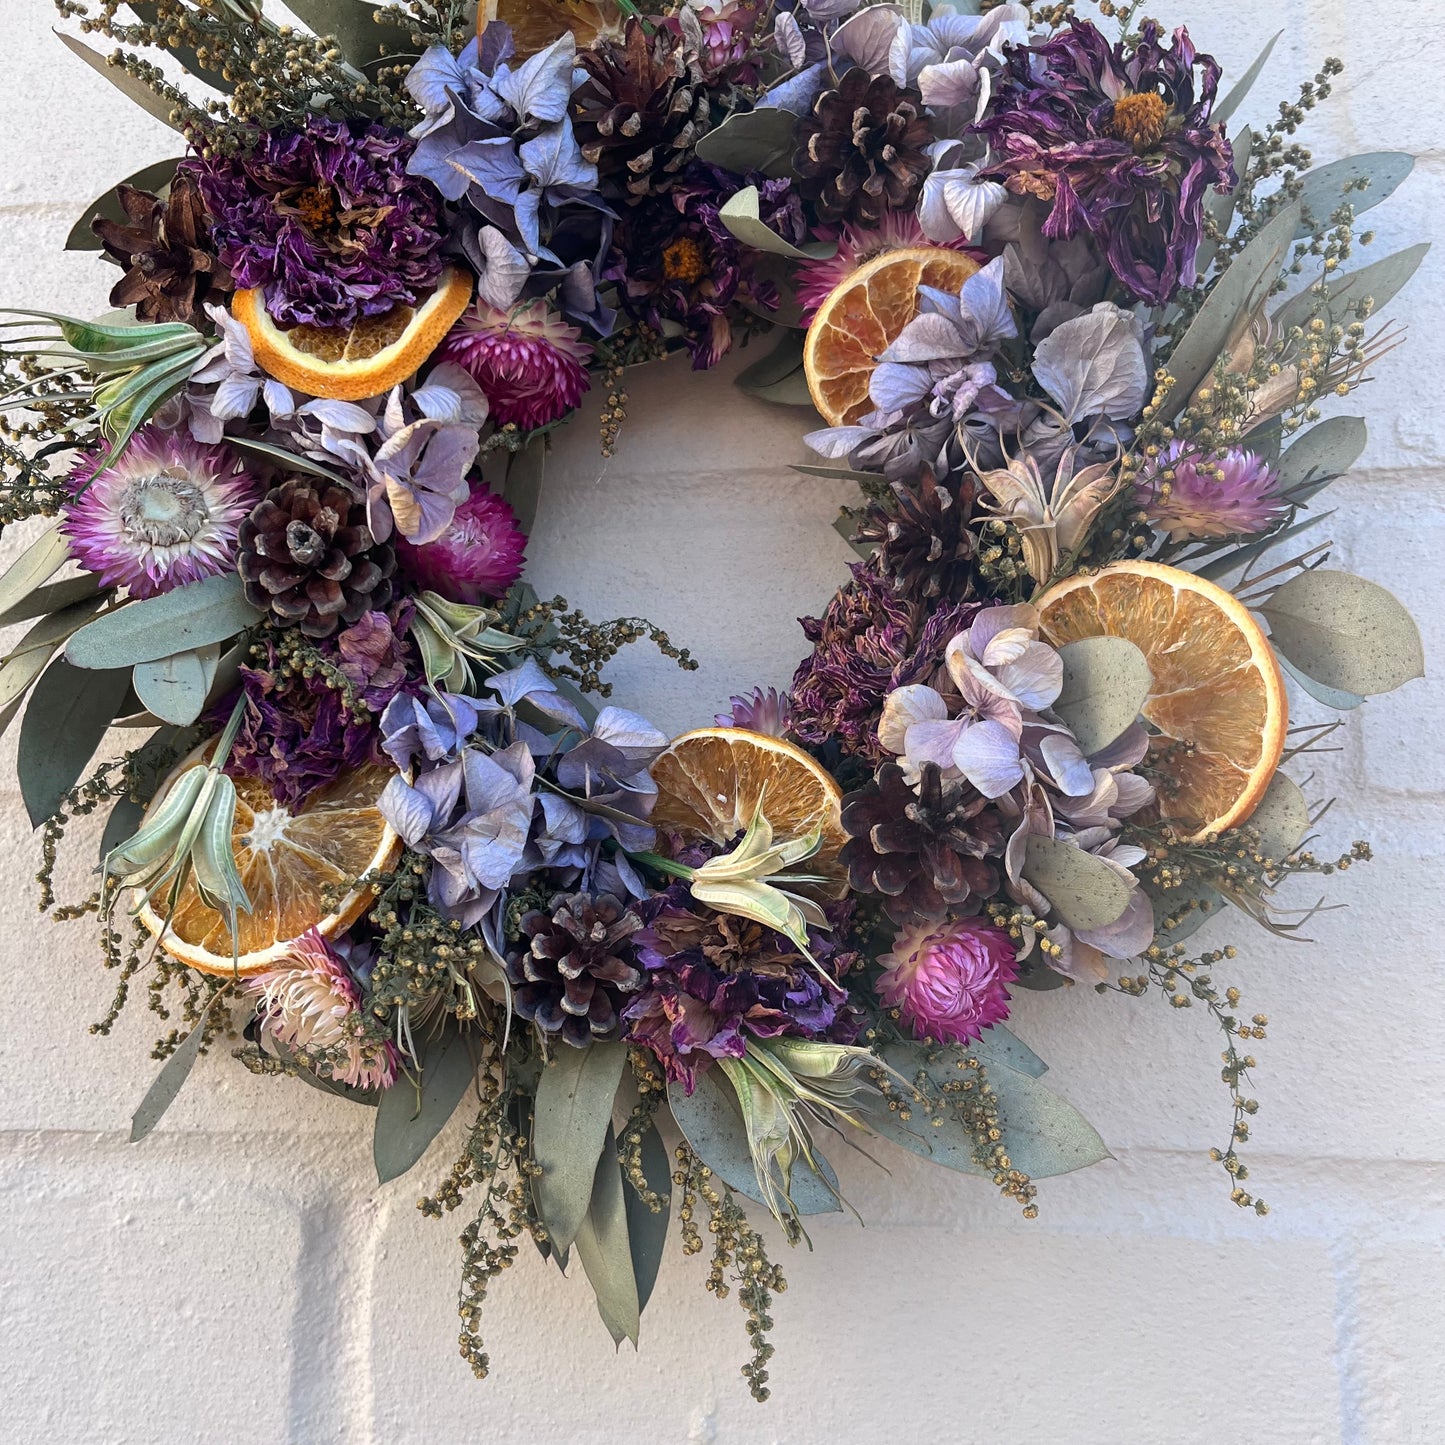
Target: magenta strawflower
(1220,494)
(479,555)
(163,514)
(949,980)
(530,364)
(310,1003)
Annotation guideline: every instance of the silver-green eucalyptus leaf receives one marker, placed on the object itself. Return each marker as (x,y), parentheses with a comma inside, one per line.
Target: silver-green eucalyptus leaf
(781,362)
(1316,457)
(605,1249)
(133,89)
(174,688)
(741,216)
(1335,697)
(54,597)
(765,139)
(411,1113)
(1106,684)
(1361,181)
(212,610)
(1083,891)
(1345,632)
(37,564)
(1336,297)
(1282,818)
(646,1227)
(174,1073)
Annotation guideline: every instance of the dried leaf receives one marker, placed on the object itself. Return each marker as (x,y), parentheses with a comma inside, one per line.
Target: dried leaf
(1320,455)
(742,218)
(1282,818)
(1381,281)
(753,140)
(38,563)
(409,1117)
(604,1247)
(1363,181)
(1083,890)
(134,90)
(203,612)
(1106,683)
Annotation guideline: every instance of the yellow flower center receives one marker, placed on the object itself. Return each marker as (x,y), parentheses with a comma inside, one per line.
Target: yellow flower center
(1140,119)
(682,260)
(317,208)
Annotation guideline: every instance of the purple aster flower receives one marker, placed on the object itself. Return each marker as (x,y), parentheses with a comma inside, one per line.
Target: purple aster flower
(1119,142)
(949,980)
(868,642)
(764,710)
(163,514)
(327,220)
(1222,494)
(479,555)
(675,260)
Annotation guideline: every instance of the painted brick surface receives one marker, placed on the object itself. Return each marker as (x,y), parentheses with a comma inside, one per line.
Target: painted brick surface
(240,1276)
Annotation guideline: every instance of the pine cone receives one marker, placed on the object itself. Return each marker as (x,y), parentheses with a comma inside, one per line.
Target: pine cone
(571,976)
(170,270)
(307,555)
(923,539)
(924,851)
(644,106)
(862,149)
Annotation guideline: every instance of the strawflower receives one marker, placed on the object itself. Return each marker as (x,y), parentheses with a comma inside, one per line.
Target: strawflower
(1222,494)
(950,980)
(479,555)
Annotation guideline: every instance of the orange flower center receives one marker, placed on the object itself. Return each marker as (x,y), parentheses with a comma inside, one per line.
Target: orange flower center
(1140,119)
(682,260)
(317,208)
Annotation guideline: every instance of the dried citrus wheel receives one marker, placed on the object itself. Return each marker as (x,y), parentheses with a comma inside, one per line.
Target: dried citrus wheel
(535,24)
(350,364)
(1218,699)
(863,315)
(292,863)
(710,780)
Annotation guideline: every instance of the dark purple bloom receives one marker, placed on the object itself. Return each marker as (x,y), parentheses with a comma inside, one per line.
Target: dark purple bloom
(1119,142)
(327,220)
(868,642)
(715,980)
(674,260)
(297,733)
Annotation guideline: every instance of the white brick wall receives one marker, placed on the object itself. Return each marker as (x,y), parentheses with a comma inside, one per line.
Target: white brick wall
(240,1277)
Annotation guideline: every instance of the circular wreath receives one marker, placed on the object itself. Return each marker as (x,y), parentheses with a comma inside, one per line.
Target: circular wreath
(1070,341)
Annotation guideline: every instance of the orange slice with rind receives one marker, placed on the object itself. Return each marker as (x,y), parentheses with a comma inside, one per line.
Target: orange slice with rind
(862,317)
(1217,702)
(353,363)
(711,781)
(292,862)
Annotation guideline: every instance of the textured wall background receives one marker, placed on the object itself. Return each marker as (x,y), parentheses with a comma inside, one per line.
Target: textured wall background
(241,1277)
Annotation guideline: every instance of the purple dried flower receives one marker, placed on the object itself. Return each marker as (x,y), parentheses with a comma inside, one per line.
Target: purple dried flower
(1223,494)
(949,980)
(764,710)
(1120,143)
(479,555)
(327,220)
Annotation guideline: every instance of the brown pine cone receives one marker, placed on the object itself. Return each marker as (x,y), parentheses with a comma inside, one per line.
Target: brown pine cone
(862,149)
(575,967)
(170,269)
(645,104)
(307,555)
(923,538)
(925,851)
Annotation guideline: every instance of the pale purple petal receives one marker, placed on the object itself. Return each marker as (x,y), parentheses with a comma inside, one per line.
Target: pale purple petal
(987,754)
(906,707)
(1036,678)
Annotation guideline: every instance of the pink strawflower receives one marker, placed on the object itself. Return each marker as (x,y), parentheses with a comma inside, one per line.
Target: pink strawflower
(163,514)
(480,554)
(309,1002)
(531,365)
(1222,494)
(949,980)
(858,245)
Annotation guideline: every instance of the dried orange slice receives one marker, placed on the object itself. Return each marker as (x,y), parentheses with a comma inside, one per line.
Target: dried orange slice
(863,315)
(535,24)
(351,364)
(288,861)
(1218,699)
(710,780)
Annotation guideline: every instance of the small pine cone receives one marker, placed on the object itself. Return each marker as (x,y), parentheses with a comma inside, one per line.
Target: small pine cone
(863,149)
(923,537)
(925,851)
(573,974)
(645,104)
(307,555)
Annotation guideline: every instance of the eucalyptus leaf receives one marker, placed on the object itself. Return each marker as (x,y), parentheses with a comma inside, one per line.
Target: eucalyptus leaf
(212,610)
(841,474)
(174,1073)
(38,563)
(781,362)
(369,1098)
(1363,181)
(409,1116)
(996,1045)
(1345,631)
(1174,903)
(523,488)
(123,822)
(741,216)
(1321,454)
(27,659)
(68,714)
(1106,684)
(646,1230)
(792,390)
(1282,818)
(1236,295)
(153,178)
(1243,86)
(712,1124)
(763,140)
(604,1247)
(53,597)
(133,89)
(1335,697)
(573,1114)
(354,25)
(1381,281)
(1084,891)
(292,461)
(173,688)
